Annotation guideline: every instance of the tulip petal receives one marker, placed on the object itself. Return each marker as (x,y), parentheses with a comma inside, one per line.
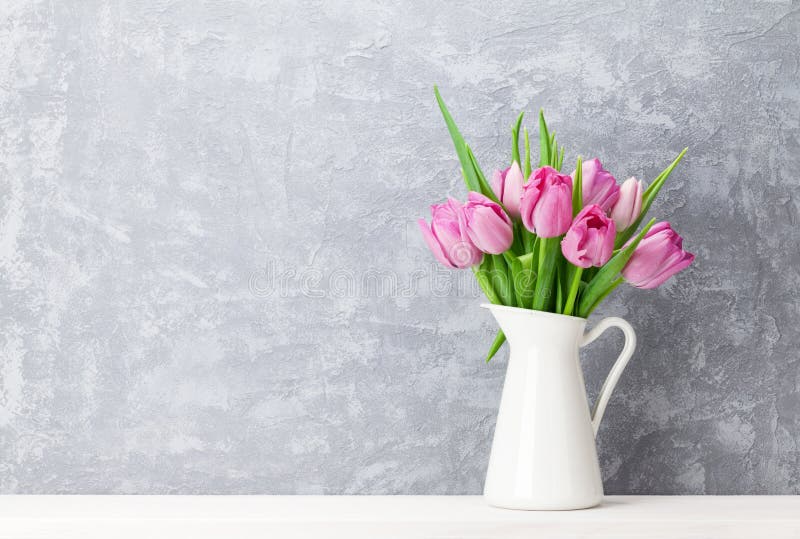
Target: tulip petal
(598,185)
(546,205)
(433,244)
(658,257)
(590,238)
(486,224)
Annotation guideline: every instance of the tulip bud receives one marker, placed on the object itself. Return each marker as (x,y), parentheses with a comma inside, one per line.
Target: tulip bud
(590,238)
(445,238)
(546,203)
(507,185)
(486,224)
(658,257)
(629,204)
(598,185)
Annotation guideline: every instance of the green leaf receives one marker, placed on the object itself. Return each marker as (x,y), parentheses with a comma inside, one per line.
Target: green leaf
(598,287)
(518,243)
(486,285)
(603,296)
(524,279)
(470,177)
(648,197)
(515,139)
(560,159)
(544,141)
(501,280)
(656,185)
(549,250)
(577,188)
(528,239)
(581,289)
(526,259)
(512,261)
(589,273)
(483,185)
(527,155)
(498,342)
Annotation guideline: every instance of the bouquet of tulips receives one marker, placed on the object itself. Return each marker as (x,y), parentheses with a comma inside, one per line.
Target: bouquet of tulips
(552,242)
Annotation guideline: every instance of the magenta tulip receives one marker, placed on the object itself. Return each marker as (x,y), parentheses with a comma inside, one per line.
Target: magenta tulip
(629,204)
(590,238)
(546,203)
(658,257)
(486,224)
(507,185)
(445,238)
(598,185)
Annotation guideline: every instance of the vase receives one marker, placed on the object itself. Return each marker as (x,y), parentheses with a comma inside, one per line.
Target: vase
(543,454)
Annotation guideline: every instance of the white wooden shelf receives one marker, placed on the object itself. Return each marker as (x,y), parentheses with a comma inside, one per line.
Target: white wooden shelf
(429,517)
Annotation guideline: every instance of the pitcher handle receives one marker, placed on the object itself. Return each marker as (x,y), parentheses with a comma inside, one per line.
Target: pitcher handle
(619,364)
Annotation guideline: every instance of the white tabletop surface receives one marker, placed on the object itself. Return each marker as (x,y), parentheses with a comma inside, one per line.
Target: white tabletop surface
(435,517)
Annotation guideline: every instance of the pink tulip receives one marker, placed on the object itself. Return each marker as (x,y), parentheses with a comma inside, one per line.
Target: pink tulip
(629,204)
(486,224)
(507,185)
(445,238)
(598,185)
(590,238)
(658,257)
(546,203)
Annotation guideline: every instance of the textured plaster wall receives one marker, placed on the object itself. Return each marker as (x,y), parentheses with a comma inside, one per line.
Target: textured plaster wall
(211,279)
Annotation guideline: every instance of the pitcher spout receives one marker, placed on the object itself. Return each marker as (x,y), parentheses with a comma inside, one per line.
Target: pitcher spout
(526,325)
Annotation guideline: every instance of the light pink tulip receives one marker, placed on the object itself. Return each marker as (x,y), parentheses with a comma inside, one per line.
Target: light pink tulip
(658,257)
(590,238)
(445,238)
(486,224)
(629,204)
(598,186)
(507,185)
(546,203)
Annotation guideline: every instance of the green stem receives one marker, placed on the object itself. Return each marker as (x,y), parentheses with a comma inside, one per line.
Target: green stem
(559,293)
(573,290)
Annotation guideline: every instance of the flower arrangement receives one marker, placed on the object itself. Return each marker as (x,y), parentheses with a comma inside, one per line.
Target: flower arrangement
(540,239)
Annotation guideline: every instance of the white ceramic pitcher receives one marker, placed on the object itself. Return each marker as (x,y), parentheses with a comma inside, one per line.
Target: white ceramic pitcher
(543,454)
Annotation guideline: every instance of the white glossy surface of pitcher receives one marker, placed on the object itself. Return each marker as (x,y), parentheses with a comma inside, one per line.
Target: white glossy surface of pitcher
(543,455)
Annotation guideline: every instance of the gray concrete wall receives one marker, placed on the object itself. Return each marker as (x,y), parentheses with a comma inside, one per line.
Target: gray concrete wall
(211,279)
